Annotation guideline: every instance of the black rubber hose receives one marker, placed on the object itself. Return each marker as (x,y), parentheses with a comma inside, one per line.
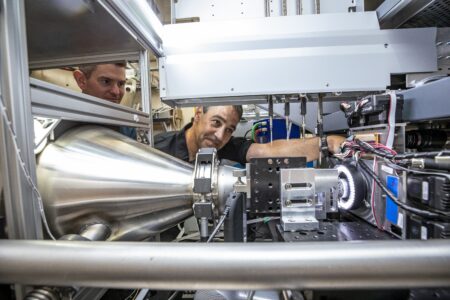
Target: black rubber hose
(430,163)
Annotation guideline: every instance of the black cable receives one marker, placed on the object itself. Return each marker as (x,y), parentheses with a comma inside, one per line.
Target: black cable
(422,154)
(172,297)
(245,135)
(255,229)
(399,167)
(222,219)
(417,211)
(429,163)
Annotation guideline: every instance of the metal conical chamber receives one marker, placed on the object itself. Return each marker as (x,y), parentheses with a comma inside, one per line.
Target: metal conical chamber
(92,174)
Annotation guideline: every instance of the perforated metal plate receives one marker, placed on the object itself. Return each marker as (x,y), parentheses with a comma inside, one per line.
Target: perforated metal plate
(265,182)
(350,230)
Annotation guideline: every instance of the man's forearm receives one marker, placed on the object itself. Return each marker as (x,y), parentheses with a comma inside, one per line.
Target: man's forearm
(308,148)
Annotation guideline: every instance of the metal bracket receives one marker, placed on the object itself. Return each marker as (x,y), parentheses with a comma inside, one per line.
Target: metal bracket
(298,196)
(241,186)
(203,172)
(203,210)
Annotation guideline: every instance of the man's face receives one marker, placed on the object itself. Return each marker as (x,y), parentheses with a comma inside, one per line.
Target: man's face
(215,127)
(107,81)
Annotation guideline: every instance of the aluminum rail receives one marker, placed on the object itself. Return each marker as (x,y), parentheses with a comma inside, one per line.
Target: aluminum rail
(309,265)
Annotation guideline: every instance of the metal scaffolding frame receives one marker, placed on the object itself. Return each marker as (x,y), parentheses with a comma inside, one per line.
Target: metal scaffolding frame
(21,98)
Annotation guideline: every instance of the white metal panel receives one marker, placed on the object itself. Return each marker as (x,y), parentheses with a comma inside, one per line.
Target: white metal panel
(341,6)
(275,8)
(308,7)
(267,33)
(292,8)
(283,55)
(411,50)
(215,10)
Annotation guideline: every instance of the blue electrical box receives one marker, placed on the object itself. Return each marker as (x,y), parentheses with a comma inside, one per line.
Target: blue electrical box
(391,207)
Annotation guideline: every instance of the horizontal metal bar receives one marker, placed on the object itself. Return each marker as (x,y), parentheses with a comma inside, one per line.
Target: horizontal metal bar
(80,60)
(52,101)
(215,101)
(319,265)
(257,99)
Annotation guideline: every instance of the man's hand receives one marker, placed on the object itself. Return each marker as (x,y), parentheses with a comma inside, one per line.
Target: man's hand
(334,143)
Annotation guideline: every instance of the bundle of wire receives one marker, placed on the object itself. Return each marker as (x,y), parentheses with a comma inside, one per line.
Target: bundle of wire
(356,148)
(257,128)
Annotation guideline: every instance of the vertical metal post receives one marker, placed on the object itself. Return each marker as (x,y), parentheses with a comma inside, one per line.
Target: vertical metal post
(287,109)
(146,90)
(283,7)
(323,146)
(267,8)
(303,114)
(317,6)
(299,7)
(21,209)
(173,13)
(271,117)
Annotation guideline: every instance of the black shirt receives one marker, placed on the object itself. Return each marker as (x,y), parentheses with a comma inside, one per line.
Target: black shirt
(174,143)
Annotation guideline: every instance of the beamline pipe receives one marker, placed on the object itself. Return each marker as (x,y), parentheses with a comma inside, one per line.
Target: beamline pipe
(255,266)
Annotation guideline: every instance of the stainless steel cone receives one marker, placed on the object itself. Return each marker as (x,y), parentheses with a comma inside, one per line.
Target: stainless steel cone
(93,174)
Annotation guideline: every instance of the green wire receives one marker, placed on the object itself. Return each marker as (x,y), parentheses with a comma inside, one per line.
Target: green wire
(254,127)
